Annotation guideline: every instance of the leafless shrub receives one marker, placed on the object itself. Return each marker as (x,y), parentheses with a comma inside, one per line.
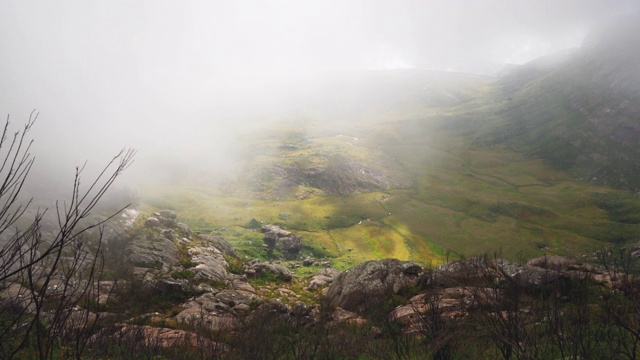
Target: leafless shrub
(48,282)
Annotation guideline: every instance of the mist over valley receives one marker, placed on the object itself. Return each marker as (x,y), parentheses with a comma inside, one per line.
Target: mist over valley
(376,178)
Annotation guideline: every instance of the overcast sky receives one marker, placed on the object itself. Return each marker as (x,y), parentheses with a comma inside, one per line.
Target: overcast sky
(172,77)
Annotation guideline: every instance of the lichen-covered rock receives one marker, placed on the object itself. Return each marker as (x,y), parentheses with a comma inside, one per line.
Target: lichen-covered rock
(450,304)
(211,264)
(553,262)
(156,252)
(154,337)
(275,229)
(482,272)
(219,243)
(368,283)
(237,283)
(319,281)
(152,222)
(129,217)
(323,278)
(168,214)
(184,228)
(259,268)
(270,239)
(218,310)
(300,309)
(171,286)
(528,276)
(291,244)
(340,315)
(329,272)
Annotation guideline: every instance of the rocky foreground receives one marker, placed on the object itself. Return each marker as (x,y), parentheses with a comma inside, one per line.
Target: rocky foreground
(200,294)
(169,258)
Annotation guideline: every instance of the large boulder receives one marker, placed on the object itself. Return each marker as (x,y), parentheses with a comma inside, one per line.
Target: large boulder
(270,239)
(368,283)
(211,264)
(274,229)
(155,252)
(272,233)
(291,244)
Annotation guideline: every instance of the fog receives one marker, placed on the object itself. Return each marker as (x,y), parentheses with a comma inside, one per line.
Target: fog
(178,80)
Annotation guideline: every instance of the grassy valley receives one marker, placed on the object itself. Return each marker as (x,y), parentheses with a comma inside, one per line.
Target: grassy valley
(421,185)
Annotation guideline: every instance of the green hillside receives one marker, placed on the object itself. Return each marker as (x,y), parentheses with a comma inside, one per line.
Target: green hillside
(580,112)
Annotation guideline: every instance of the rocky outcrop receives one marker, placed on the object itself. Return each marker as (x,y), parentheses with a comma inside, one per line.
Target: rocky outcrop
(341,315)
(553,262)
(256,268)
(218,310)
(147,337)
(270,239)
(291,244)
(129,217)
(323,278)
(157,258)
(337,173)
(478,271)
(368,283)
(155,252)
(275,229)
(527,276)
(211,263)
(447,304)
(219,243)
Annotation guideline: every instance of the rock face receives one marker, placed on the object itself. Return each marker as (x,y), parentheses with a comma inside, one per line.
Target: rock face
(367,283)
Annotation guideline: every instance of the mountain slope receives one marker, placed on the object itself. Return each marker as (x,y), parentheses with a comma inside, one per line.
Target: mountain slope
(583,112)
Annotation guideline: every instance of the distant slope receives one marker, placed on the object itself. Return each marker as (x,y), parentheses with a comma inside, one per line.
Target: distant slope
(581,110)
